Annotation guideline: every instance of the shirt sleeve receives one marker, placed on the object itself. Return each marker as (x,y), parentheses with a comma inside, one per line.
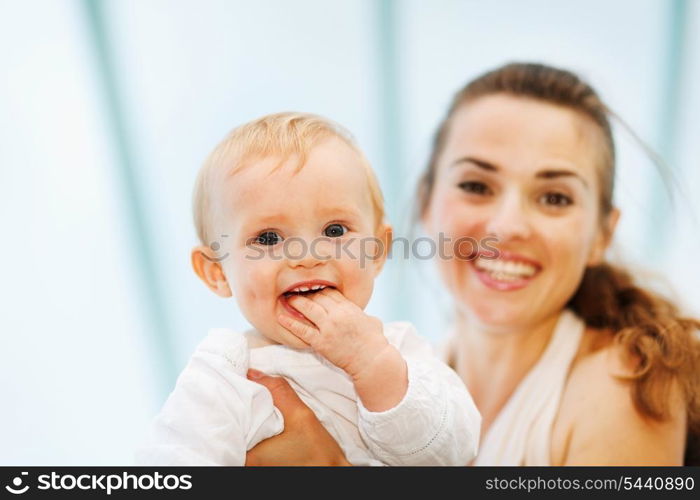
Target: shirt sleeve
(214,414)
(436,423)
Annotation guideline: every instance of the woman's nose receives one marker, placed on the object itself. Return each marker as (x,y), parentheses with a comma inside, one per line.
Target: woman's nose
(509,221)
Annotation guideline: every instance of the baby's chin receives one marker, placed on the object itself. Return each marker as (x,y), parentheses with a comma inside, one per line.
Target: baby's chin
(295,342)
(281,336)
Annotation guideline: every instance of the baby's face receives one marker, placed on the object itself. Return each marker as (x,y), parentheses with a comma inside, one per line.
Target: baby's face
(290,231)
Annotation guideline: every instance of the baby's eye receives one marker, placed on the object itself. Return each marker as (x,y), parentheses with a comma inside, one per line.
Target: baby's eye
(335,230)
(268,238)
(556,199)
(475,187)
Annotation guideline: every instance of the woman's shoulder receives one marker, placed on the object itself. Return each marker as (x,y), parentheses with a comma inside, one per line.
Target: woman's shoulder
(598,353)
(598,422)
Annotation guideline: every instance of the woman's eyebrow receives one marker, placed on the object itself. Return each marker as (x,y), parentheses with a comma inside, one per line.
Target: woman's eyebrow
(542,174)
(554,174)
(476,162)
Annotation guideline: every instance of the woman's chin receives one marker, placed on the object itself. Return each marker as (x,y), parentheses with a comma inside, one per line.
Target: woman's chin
(497,312)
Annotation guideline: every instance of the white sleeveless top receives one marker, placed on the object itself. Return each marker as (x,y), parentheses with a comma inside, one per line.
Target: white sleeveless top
(521,433)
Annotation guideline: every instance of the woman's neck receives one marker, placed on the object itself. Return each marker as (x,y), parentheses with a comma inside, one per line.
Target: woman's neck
(493,361)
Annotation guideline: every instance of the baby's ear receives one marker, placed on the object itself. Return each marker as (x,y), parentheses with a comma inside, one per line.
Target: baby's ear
(207,265)
(384,235)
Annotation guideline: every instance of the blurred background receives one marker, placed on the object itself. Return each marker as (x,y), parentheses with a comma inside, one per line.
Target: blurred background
(108,108)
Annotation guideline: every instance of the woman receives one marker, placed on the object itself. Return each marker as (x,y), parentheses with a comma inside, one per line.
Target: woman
(569,362)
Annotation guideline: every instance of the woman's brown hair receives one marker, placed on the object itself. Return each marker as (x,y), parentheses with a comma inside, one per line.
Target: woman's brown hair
(648,326)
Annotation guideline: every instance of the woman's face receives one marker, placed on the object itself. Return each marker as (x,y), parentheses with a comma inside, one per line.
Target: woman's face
(523,172)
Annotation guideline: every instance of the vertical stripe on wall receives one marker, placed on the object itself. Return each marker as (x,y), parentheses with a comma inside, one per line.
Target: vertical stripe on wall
(154,306)
(391,134)
(672,67)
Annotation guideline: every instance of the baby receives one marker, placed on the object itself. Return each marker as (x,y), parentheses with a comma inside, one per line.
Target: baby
(297,217)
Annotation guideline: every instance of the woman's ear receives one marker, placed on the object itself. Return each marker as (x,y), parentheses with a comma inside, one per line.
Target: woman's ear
(207,265)
(424,218)
(604,238)
(384,237)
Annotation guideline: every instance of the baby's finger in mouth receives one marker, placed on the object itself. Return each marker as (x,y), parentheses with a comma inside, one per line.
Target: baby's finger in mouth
(298,328)
(309,308)
(333,294)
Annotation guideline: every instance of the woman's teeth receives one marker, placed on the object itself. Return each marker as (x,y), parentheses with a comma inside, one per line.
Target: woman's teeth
(506,270)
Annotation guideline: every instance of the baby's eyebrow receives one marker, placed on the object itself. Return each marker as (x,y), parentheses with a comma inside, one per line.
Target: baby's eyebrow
(351,209)
(271,219)
(254,223)
(327,215)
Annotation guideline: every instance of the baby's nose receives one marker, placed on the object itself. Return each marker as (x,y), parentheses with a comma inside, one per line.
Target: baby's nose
(307,253)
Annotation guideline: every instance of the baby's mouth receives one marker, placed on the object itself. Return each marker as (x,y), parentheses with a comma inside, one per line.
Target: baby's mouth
(306,288)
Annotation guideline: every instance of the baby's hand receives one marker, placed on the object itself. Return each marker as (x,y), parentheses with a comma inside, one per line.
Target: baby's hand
(339,331)
(353,341)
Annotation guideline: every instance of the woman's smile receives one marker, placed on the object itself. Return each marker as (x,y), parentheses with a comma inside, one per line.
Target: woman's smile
(508,272)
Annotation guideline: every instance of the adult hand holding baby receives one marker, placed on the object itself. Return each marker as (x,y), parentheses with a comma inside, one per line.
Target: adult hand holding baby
(341,332)
(304,441)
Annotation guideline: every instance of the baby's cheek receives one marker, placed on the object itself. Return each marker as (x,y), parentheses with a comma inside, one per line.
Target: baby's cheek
(254,282)
(358,281)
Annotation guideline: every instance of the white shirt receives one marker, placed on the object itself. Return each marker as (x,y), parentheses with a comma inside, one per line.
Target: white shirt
(215,414)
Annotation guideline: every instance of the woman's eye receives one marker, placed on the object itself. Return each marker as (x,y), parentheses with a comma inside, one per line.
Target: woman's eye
(556,199)
(335,230)
(475,187)
(268,238)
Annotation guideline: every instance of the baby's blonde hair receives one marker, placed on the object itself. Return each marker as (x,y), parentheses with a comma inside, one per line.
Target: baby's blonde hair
(280,135)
